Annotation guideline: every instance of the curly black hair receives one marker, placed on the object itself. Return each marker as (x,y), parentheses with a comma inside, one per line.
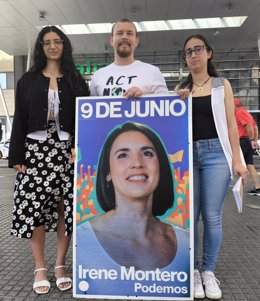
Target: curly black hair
(67,66)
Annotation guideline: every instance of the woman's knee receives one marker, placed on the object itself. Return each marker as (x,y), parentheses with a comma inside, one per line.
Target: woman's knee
(212,219)
(60,208)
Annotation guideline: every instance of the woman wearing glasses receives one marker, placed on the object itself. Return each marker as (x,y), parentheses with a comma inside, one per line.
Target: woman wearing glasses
(216,156)
(40,151)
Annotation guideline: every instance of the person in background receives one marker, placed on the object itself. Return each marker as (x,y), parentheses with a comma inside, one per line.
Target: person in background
(248,135)
(216,156)
(126,76)
(40,148)
(1,132)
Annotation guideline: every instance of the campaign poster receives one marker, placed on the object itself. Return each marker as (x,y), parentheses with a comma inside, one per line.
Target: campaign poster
(133,199)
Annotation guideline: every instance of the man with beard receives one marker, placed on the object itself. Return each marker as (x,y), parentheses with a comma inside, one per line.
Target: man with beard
(126,76)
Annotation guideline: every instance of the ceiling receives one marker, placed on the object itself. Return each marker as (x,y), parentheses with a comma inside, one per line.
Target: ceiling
(19,18)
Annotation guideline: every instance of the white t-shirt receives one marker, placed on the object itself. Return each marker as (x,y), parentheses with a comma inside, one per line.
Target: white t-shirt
(114,80)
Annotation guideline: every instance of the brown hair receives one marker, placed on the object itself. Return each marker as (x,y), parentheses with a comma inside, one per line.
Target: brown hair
(123,20)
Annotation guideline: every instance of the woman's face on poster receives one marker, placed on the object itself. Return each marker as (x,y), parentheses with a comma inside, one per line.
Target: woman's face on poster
(134,166)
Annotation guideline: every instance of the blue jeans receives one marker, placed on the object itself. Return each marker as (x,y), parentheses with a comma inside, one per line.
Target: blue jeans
(211,178)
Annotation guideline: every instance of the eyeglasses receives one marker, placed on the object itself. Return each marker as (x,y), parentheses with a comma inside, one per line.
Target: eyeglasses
(48,43)
(198,49)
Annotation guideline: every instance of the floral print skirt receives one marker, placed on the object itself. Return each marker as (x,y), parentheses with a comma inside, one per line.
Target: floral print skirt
(47,181)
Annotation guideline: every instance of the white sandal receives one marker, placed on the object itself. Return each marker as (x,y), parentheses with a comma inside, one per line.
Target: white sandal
(41,283)
(63,280)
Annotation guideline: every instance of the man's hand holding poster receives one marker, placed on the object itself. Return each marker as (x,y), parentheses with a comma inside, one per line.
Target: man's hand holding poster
(133,188)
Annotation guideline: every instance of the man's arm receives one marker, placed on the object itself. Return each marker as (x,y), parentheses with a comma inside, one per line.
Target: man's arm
(158,82)
(157,85)
(254,143)
(250,131)
(256,132)
(93,90)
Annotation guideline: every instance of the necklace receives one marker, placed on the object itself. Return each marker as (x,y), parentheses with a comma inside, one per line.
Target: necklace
(200,88)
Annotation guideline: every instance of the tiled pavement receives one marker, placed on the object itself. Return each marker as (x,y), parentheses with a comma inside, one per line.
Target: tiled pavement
(238,266)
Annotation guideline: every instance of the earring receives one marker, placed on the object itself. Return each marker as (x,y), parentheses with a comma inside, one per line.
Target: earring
(107,184)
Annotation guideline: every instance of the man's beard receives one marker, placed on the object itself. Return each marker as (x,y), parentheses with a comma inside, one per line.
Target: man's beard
(124,52)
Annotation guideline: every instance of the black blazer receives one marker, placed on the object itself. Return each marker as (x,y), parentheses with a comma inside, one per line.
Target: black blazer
(31,110)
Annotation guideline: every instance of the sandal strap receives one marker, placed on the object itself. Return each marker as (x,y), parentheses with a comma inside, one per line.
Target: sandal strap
(41,283)
(40,269)
(62,280)
(59,267)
